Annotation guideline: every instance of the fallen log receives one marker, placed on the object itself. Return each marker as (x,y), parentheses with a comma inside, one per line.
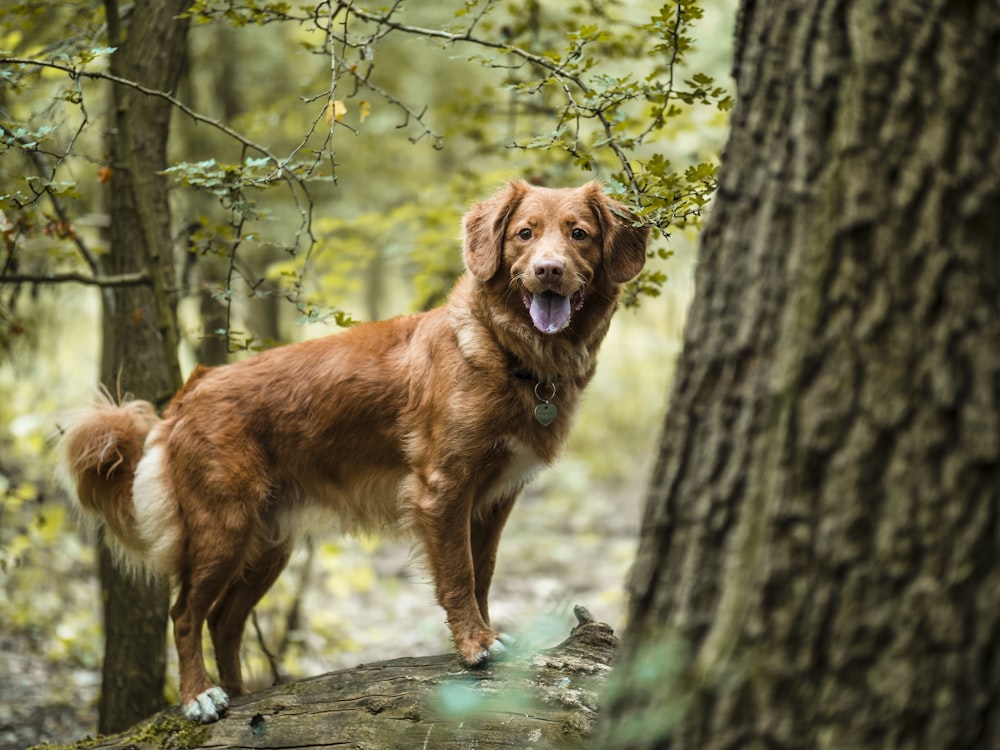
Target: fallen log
(546,699)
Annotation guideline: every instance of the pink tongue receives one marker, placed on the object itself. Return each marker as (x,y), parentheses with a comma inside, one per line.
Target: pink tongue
(549,312)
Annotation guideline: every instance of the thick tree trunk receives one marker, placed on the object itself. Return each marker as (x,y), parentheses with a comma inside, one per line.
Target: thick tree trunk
(139,329)
(819,561)
(545,700)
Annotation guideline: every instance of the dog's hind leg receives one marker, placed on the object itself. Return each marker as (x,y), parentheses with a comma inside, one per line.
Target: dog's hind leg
(202,700)
(213,561)
(228,616)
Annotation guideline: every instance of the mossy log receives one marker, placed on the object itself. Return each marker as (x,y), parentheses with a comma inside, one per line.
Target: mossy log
(546,699)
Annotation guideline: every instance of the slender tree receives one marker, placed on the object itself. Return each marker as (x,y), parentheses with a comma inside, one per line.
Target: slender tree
(819,560)
(139,354)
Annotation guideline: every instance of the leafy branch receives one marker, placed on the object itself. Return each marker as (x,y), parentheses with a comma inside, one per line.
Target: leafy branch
(596,97)
(287,170)
(75,73)
(661,197)
(585,96)
(596,115)
(49,172)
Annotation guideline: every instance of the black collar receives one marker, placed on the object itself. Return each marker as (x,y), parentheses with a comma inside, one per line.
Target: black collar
(523,373)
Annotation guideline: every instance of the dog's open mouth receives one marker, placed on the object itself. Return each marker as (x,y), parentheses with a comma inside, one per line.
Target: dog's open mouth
(551,312)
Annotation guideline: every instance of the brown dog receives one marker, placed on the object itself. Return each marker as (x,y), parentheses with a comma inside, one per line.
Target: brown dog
(431,422)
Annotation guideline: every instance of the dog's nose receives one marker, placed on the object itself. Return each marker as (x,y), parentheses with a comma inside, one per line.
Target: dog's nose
(549,270)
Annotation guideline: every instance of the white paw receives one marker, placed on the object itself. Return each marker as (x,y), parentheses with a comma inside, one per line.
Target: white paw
(208,706)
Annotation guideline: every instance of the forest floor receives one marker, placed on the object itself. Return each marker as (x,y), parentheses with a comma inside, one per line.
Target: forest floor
(557,551)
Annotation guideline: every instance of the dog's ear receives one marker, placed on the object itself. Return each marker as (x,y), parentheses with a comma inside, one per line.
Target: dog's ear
(485,225)
(624,242)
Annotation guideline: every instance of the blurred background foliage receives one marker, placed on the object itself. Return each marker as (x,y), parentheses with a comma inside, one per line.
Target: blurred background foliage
(322,181)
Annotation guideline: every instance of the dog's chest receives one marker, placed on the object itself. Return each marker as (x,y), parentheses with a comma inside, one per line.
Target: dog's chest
(520,464)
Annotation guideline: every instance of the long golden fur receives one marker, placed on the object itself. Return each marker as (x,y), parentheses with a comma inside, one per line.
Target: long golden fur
(424,422)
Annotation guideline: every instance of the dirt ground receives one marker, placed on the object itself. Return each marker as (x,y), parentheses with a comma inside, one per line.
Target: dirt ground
(557,551)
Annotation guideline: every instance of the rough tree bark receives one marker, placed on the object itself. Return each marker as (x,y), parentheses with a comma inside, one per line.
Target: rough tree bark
(139,354)
(821,537)
(544,700)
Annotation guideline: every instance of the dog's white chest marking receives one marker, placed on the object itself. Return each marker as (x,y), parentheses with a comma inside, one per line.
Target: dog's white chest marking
(522,467)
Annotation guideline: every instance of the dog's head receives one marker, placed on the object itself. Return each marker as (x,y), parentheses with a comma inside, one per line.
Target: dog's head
(553,247)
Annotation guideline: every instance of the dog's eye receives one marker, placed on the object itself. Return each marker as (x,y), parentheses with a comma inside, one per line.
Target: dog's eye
(578,234)
(524,234)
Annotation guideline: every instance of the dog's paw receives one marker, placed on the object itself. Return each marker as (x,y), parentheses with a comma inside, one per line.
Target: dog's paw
(207,706)
(476,652)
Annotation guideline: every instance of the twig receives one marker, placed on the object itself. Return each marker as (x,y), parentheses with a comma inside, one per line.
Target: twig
(271,658)
(293,621)
(75,73)
(50,173)
(556,69)
(137,278)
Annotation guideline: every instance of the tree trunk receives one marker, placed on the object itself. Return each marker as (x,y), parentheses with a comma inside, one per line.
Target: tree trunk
(139,328)
(545,700)
(819,557)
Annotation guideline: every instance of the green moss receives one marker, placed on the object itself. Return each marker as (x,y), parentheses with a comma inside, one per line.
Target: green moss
(181,732)
(164,730)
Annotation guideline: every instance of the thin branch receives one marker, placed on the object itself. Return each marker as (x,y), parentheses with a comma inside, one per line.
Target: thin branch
(137,278)
(668,95)
(36,157)
(233,250)
(272,660)
(293,620)
(558,71)
(334,77)
(303,203)
(193,114)
(543,62)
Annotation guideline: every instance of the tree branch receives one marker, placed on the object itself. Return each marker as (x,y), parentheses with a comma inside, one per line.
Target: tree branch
(36,158)
(558,71)
(73,72)
(124,279)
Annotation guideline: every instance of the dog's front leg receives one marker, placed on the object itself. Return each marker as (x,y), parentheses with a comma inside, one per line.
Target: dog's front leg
(443,522)
(486,528)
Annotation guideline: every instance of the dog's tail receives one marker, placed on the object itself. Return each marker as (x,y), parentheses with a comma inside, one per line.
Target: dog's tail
(106,456)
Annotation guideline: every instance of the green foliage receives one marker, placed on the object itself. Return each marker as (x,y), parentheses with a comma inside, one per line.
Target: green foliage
(659,673)
(596,89)
(242,13)
(466,697)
